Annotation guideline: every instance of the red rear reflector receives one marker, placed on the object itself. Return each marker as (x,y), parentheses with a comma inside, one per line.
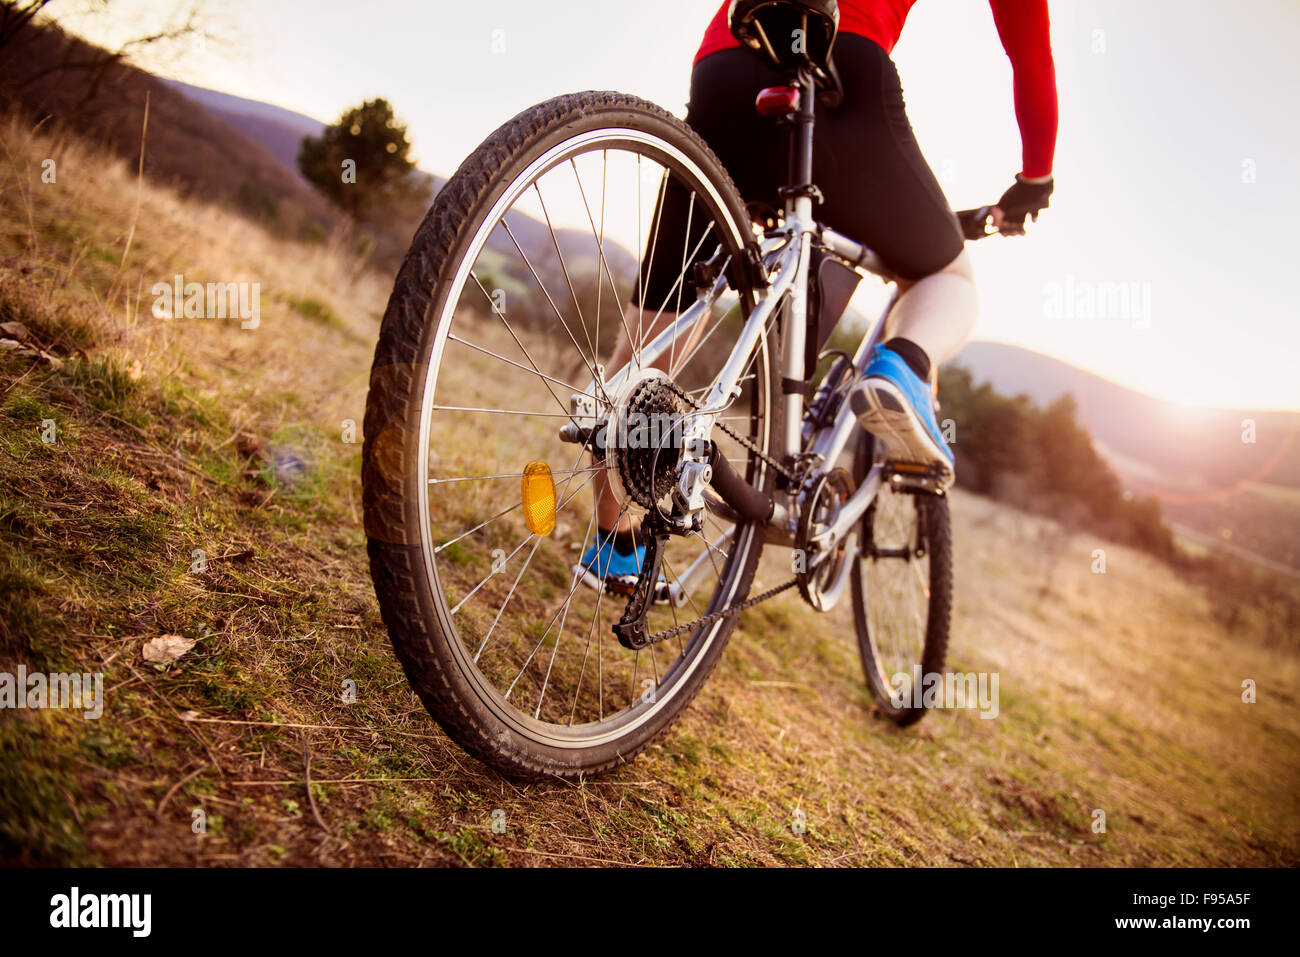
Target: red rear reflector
(777,100)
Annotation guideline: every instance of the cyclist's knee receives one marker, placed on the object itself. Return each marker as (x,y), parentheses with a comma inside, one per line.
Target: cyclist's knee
(961,265)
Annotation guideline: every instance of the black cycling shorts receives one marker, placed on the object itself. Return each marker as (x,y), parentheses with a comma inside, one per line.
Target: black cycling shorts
(877,186)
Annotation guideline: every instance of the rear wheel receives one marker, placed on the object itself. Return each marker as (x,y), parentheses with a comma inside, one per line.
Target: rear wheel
(510,302)
(902,594)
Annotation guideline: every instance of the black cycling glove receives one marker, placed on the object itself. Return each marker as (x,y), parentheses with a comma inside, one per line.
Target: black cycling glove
(1024,199)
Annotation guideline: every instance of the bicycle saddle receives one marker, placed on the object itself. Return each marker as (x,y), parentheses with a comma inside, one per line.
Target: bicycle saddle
(768,27)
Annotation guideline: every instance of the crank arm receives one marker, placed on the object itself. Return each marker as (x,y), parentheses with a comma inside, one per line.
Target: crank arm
(828,539)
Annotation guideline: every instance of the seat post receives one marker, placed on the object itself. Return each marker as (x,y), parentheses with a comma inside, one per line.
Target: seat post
(798,204)
(801,142)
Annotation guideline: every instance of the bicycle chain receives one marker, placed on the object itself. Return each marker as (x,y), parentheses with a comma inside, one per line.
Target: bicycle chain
(748,602)
(709,619)
(744,440)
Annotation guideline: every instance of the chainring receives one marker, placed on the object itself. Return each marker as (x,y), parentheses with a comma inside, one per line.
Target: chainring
(821,582)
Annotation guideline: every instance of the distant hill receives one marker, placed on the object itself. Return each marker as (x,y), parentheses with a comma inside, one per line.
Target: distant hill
(1211,485)
(279,130)
(1150,439)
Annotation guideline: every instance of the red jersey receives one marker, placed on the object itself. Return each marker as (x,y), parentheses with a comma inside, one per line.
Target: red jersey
(877,20)
(1026,36)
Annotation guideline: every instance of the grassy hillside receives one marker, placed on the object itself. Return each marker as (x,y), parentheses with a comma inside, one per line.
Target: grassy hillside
(173,435)
(62,82)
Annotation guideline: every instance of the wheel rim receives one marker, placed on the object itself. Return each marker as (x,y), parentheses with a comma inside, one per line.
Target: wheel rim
(655,678)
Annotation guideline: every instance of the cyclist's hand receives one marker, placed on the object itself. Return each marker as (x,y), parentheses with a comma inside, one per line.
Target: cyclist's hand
(1025,198)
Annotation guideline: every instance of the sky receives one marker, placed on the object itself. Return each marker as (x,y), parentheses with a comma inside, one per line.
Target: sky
(1165,261)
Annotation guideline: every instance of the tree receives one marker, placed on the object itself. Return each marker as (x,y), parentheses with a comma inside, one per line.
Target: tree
(361,163)
(993,431)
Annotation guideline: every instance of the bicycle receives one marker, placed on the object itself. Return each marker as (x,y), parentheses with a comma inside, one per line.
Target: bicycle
(521,663)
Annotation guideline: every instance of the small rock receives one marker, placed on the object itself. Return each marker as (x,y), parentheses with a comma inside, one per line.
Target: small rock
(14,330)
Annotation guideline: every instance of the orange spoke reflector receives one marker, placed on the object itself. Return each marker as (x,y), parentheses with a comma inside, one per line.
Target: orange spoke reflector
(538,496)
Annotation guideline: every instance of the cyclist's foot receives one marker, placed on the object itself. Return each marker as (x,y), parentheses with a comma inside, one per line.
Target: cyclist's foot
(605,567)
(896,405)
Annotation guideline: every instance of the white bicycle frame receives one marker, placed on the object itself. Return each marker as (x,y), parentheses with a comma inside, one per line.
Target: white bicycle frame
(785,255)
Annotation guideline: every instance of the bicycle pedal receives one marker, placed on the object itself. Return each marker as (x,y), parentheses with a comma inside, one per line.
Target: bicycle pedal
(915,476)
(622,586)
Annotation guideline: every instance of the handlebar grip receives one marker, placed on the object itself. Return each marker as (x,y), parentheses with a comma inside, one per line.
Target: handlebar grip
(975,222)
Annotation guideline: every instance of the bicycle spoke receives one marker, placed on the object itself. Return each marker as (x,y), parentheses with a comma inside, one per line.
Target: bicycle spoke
(488,577)
(589,363)
(510,594)
(474,590)
(510,329)
(582,669)
(572,292)
(506,475)
(650,259)
(483,524)
(568,385)
(465,408)
(524,567)
(509,606)
(573,587)
(690,215)
(600,243)
(673,577)
(676,283)
(559,635)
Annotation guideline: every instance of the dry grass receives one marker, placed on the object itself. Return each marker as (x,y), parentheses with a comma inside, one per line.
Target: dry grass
(1117,691)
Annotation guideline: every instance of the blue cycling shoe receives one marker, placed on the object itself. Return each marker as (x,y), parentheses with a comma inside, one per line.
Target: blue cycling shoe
(896,405)
(605,568)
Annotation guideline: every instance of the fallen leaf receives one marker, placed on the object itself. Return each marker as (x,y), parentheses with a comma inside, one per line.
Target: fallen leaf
(167,647)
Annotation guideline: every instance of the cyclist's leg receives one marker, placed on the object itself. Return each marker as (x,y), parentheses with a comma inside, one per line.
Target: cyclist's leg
(878,187)
(663,287)
(937,312)
(752,148)
(880,190)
